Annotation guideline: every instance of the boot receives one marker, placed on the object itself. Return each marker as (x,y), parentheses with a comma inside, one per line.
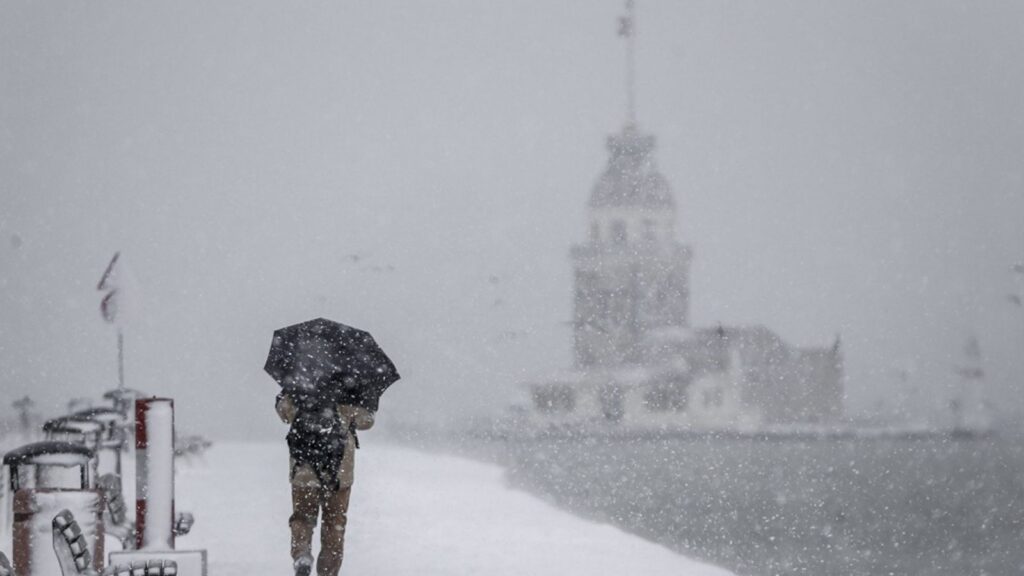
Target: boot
(303,565)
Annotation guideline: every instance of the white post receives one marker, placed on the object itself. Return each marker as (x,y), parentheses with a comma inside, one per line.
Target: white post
(154,473)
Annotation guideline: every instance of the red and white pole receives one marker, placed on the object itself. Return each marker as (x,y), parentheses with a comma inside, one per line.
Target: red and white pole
(154,473)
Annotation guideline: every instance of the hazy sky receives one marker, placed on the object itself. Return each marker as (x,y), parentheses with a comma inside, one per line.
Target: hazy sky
(840,167)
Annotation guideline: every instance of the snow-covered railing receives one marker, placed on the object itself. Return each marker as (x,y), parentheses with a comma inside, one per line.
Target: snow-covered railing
(80,468)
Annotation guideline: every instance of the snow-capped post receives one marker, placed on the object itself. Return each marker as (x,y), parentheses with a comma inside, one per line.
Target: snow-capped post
(154,473)
(156,522)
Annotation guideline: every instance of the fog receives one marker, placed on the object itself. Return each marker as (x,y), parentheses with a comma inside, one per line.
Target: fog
(421,170)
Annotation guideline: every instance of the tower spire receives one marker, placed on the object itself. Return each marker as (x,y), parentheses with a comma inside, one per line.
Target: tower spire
(627,30)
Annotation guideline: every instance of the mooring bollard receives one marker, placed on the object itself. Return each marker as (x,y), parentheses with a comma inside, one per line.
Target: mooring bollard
(111,439)
(74,429)
(45,478)
(123,400)
(77,430)
(154,473)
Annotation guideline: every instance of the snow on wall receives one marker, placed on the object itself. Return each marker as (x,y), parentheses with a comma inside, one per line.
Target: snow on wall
(86,506)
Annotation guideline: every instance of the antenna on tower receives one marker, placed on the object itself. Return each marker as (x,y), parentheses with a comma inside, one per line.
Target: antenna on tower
(627,30)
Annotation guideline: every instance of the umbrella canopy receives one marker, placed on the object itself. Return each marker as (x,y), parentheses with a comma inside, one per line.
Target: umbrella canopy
(330,361)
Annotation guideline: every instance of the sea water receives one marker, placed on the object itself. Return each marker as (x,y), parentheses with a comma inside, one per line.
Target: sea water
(855,506)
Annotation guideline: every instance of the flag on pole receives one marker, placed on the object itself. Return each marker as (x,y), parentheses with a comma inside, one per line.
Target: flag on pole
(109,284)
(122,294)
(626,22)
(108,307)
(117,304)
(625,26)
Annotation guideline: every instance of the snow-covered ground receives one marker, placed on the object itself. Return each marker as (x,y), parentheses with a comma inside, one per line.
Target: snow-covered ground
(411,514)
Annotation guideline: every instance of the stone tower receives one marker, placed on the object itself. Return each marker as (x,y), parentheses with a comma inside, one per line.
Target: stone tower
(631,275)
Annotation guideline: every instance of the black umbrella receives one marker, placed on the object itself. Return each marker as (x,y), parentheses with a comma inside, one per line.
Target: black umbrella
(330,361)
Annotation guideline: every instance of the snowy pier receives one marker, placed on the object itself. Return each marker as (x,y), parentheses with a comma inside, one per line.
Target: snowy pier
(412,514)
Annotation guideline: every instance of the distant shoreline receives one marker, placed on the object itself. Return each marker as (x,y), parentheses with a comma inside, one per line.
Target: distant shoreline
(768,435)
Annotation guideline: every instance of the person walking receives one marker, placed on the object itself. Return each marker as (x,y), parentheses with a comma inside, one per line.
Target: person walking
(332,377)
(322,441)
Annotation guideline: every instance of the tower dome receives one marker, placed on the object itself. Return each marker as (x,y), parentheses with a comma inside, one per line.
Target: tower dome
(631,178)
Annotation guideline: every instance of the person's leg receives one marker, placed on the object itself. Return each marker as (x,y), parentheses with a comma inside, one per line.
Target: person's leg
(305,509)
(332,531)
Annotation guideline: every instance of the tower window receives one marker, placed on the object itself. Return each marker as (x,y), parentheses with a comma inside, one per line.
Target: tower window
(714,398)
(554,398)
(648,229)
(611,403)
(619,232)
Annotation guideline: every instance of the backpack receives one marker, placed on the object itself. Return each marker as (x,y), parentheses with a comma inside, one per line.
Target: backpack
(317,439)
